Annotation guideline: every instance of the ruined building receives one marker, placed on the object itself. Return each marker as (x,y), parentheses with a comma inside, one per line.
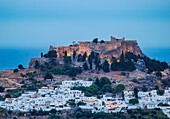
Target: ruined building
(106,49)
(114,48)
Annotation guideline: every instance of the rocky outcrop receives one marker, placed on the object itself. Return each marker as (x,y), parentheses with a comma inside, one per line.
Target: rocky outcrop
(131,46)
(40,60)
(140,65)
(106,49)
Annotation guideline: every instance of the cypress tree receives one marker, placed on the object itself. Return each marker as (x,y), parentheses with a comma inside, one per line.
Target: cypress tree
(84,56)
(136,92)
(42,55)
(74,54)
(79,58)
(85,66)
(92,54)
(106,66)
(90,61)
(122,57)
(36,66)
(65,52)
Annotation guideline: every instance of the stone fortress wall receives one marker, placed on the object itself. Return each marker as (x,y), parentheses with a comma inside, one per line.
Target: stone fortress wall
(114,47)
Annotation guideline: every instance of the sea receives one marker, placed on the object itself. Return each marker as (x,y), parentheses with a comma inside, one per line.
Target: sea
(11,58)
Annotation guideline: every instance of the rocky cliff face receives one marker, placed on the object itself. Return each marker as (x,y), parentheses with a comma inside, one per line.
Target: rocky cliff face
(40,60)
(126,46)
(131,46)
(106,50)
(140,65)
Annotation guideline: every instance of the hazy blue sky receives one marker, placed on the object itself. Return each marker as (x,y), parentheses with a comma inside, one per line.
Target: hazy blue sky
(39,23)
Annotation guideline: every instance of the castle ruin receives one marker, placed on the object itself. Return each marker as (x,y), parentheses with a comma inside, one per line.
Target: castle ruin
(105,49)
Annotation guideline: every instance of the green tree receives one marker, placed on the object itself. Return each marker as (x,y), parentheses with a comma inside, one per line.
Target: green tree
(48,76)
(107,88)
(84,56)
(123,73)
(65,52)
(102,41)
(93,89)
(74,54)
(36,66)
(160,92)
(72,103)
(53,116)
(15,70)
(135,80)
(20,66)
(134,101)
(79,114)
(95,40)
(122,57)
(52,61)
(53,111)
(90,79)
(113,59)
(159,74)
(79,58)
(90,61)
(67,59)
(10,112)
(42,55)
(33,112)
(120,87)
(161,104)
(52,54)
(92,54)
(136,92)
(144,88)
(73,71)
(97,81)
(106,66)
(66,67)
(80,103)
(7,95)
(2,89)
(80,70)
(103,81)
(85,66)
(97,62)
(156,87)
(130,55)
(166,82)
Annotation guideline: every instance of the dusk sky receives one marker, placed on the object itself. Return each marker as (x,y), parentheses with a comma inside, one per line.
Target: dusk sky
(40,23)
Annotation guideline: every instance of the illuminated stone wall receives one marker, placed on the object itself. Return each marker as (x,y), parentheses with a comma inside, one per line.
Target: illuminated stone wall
(114,48)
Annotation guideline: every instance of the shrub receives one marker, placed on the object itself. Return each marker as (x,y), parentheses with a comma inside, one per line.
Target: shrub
(129,111)
(72,103)
(73,78)
(154,112)
(15,70)
(163,104)
(135,80)
(120,87)
(123,73)
(134,101)
(53,111)
(160,92)
(90,79)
